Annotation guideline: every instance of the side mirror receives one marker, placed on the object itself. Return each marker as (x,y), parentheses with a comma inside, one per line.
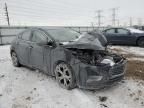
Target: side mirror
(50,43)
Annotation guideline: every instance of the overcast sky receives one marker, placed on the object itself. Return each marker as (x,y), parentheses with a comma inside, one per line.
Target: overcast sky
(70,12)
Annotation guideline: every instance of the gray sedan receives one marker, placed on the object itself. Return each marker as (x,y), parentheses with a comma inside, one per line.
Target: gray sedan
(73,59)
(124,36)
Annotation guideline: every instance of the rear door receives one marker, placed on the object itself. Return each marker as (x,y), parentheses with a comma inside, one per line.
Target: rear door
(23,47)
(124,36)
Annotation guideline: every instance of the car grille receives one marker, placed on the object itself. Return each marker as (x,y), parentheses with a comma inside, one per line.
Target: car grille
(117,70)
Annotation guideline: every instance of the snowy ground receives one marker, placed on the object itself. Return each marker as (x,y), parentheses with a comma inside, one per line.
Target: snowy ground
(25,88)
(132,53)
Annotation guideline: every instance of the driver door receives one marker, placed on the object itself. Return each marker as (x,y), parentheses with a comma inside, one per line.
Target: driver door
(110,35)
(37,52)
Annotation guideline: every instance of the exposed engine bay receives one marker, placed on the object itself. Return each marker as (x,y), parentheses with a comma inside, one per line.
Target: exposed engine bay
(96,57)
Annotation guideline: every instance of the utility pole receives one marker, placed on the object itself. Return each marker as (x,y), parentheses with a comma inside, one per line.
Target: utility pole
(139,21)
(99,17)
(92,24)
(118,23)
(7,14)
(130,22)
(114,16)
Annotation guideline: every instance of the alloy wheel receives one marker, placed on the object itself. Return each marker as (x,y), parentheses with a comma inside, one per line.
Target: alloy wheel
(14,59)
(63,75)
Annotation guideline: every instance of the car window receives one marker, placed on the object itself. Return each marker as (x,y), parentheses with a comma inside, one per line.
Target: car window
(26,35)
(110,31)
(63,35)
(38,36)
(122,31)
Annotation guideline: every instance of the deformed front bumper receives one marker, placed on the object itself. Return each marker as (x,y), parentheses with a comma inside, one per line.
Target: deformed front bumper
(96,77)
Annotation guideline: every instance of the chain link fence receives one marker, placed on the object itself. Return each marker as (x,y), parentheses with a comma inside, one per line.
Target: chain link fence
(7,34)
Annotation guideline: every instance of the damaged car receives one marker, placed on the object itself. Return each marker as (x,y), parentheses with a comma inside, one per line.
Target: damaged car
(75,60)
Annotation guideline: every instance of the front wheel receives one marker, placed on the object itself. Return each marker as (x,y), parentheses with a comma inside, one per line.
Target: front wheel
(65,76)
(141,42)
(15,60)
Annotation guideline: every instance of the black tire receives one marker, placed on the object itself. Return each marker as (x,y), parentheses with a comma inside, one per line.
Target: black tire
(65,76)
(15,60)
(140,42)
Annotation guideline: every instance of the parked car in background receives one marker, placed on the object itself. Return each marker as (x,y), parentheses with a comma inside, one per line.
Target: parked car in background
(139,27)
(73,59)
(124,36)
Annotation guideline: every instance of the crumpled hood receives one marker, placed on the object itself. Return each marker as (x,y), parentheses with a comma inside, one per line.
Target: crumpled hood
(86,41)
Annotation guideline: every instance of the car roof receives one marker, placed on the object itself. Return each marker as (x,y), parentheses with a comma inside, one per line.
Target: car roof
(45,28)
(115,28)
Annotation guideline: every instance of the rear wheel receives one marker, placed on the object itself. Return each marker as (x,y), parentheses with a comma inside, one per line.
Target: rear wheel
(64,76)
(141,42)
(15,60)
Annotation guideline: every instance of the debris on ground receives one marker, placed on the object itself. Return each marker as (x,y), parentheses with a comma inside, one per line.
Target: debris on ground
(1,76)
(135,69)
(34,88)
(28,98)
(142,103)
(104,106)
(102,98)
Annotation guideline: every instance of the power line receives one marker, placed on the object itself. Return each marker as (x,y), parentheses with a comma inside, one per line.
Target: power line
(39,7)
(45,4)
(42,11)
(37,16)
(23,11)
(139,21)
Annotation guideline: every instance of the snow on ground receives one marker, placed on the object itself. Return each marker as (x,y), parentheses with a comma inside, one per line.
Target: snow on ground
(132,53)
(25,88)
(130,50)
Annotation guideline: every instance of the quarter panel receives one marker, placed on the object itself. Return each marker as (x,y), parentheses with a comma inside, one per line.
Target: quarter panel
(60,54)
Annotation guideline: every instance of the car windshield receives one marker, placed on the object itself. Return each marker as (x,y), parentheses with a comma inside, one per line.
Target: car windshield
(133,30)
(63,35)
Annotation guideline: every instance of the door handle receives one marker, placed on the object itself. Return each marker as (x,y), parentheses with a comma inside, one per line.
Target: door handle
(30,47)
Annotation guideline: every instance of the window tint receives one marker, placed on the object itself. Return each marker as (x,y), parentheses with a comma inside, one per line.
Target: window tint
(26,35)
(122,31)
(110,31)
(38,36)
